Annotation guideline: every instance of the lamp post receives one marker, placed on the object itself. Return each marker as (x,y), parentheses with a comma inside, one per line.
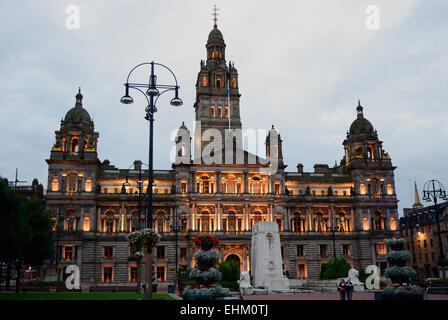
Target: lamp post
(152,95)
(333,231)
(433,190)
(175,228)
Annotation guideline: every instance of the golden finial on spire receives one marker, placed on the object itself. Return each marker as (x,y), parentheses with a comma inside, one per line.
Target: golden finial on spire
(214,14)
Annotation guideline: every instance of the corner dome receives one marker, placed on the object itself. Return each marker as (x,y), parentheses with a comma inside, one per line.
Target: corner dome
(78,114)
(215,35)
(361,124)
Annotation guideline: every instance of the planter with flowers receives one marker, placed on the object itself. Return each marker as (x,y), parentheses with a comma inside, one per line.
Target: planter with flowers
(399,273)
(206,273)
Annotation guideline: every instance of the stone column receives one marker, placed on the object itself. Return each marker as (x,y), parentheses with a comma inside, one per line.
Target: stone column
(246,184)
(220,217)
(193,217)
(218,182)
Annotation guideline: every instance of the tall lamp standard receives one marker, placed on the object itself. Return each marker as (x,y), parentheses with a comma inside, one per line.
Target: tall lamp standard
(175,228)
(152,95)
(333,231)
(433,190)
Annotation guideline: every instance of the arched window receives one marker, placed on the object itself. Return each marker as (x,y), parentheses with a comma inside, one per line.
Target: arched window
(74,145)
(358,152)
(212,112)
(234,82)
(64,144)
(218,83)
(86,143)
(204,81)
(219,112)
(72,182)
(393,224)
(227,113)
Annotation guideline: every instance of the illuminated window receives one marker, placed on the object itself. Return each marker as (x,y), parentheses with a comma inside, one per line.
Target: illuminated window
(107,274)
(55,184)
(227,113)
(160,273)
(218,83)
(88,184)
(86,143)
(365,224)
(277,188)
(389,189)
(133,272)
(393,224)
(74,145)
(381,249)
(300,250)
(234,82)
(301,271)
(219,112)
(362,188)
(68,253)
(204,81)
(86,225)
(212,112)
(64,144)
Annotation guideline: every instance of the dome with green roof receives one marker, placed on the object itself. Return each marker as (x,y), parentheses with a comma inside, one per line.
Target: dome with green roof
(78,114)
(361,124)
(215,35)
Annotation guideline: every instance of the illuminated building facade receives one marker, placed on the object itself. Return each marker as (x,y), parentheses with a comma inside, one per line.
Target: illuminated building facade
(95,208)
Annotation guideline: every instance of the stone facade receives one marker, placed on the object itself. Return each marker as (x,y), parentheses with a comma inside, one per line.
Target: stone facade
(96,204)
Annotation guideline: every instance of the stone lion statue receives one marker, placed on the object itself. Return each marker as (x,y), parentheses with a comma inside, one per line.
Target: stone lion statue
(244,281)
(353,274)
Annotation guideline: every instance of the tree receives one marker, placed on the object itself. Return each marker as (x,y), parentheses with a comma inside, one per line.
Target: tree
(336,268)
(25,230)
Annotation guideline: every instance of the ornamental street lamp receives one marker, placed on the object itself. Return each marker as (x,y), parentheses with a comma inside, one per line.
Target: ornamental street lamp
(152,95)
(333,231)
(433,190)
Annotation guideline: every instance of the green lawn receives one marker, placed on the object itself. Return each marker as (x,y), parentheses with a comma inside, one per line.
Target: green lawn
(80,296)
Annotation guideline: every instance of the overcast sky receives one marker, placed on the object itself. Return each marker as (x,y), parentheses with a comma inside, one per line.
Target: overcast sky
(302,66)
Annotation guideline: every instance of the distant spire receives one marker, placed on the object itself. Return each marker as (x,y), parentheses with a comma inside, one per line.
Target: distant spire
(214,14)
(417,204)
(359,109)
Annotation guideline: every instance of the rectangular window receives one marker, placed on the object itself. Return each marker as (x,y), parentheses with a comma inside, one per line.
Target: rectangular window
(324,251)
(300,192)
(88,184)
(160,273)
(133,271)
(55,184)
(347,250)
(300,250)
(301,271)
(68,253)
(381,249)
(104,190)
(160,252)
(277,188)
(108,252)
(115,190)
(183,187)
(107,274)
(183,253)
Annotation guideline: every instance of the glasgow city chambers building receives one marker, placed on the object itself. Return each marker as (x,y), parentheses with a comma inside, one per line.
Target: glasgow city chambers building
(344,211)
